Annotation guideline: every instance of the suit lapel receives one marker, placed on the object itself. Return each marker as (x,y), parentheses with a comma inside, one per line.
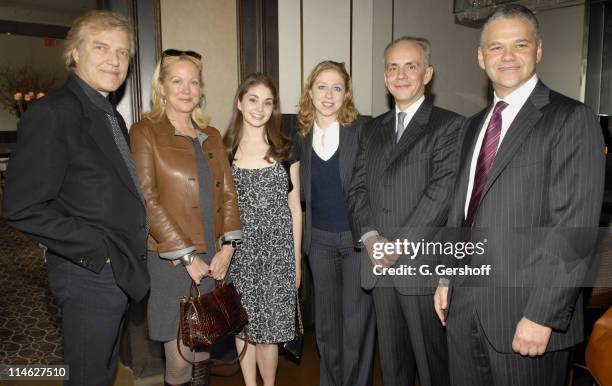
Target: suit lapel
(307,160)
(467,151)
(415,129)
(387,135)
(346,148)
(100,131)
(520,128)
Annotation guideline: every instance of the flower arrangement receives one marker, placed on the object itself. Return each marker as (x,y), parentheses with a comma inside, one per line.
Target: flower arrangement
(21,86)
(23,101)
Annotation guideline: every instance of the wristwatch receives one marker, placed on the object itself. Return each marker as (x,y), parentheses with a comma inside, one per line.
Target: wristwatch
(187,259)
(234,243)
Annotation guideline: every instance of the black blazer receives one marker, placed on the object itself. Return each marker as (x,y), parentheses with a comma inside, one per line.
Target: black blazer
(539,213)
(403,190)
(349,143)
(68,188)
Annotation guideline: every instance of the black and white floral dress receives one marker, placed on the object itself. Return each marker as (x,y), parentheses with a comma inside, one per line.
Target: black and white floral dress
(263,266)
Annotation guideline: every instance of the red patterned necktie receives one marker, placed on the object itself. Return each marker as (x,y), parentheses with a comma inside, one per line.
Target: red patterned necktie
(487,153)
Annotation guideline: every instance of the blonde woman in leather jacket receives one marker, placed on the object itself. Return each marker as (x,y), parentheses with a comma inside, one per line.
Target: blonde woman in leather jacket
(191,203)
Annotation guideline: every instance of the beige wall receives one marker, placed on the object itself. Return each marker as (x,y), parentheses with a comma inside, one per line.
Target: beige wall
(562,33)
(363,24)
(382,34)
(458,83)
(289,55)
(209,27)
(326,34)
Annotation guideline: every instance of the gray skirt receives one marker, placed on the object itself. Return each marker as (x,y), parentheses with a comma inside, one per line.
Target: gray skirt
(168,285)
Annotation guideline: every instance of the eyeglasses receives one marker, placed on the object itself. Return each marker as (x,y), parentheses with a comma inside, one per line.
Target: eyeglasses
(175,52)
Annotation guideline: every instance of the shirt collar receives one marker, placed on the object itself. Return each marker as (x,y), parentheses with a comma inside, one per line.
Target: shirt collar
(94,96)
(518,97)
(202,136)
(412,109)
(333,126)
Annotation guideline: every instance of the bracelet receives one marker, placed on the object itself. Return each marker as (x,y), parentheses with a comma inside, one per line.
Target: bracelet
(187,259)
(233,243)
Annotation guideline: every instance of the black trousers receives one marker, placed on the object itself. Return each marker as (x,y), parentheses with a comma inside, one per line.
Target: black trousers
(93,308)
(411,339)
(474,362)
(344,313)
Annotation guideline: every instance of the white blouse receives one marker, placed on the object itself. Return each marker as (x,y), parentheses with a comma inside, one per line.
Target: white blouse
(326,142)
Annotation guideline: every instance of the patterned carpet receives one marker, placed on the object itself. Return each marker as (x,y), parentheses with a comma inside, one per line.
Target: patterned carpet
(30,327)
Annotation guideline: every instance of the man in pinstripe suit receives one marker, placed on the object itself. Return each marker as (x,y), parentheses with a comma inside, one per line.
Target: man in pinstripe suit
(531,184)
(402,182)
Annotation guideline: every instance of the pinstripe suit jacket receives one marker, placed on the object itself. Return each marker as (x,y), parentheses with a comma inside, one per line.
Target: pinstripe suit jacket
(349,143)
(400,189)
(539,213)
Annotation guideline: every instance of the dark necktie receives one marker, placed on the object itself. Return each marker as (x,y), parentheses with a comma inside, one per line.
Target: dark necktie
(487,153)
(399,129)
(127,157)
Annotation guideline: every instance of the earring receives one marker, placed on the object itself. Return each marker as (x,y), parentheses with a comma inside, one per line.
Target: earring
(163,100)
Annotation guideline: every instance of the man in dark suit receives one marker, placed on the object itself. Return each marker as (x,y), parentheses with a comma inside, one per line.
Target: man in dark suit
(401,185)
(72,186)
(531,185)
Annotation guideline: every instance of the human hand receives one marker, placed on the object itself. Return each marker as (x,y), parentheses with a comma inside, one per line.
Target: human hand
(441,303)
(369,246)
(220,262)
(530,338)
(198,269)
(388,259)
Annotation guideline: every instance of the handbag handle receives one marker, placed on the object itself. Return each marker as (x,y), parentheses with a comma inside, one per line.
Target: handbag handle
(194,290)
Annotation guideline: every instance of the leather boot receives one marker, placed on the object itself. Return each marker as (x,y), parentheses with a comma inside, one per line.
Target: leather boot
(200,374)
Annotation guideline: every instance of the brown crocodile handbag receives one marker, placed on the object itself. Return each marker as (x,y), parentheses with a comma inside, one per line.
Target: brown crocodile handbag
(204,319)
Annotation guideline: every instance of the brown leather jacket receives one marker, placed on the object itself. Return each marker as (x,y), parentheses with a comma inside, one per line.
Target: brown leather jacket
(166,165)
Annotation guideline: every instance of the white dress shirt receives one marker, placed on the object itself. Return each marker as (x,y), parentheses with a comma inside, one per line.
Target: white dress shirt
(515,100)
(325,142)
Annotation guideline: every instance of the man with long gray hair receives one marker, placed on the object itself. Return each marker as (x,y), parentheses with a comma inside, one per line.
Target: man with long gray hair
(72,186)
